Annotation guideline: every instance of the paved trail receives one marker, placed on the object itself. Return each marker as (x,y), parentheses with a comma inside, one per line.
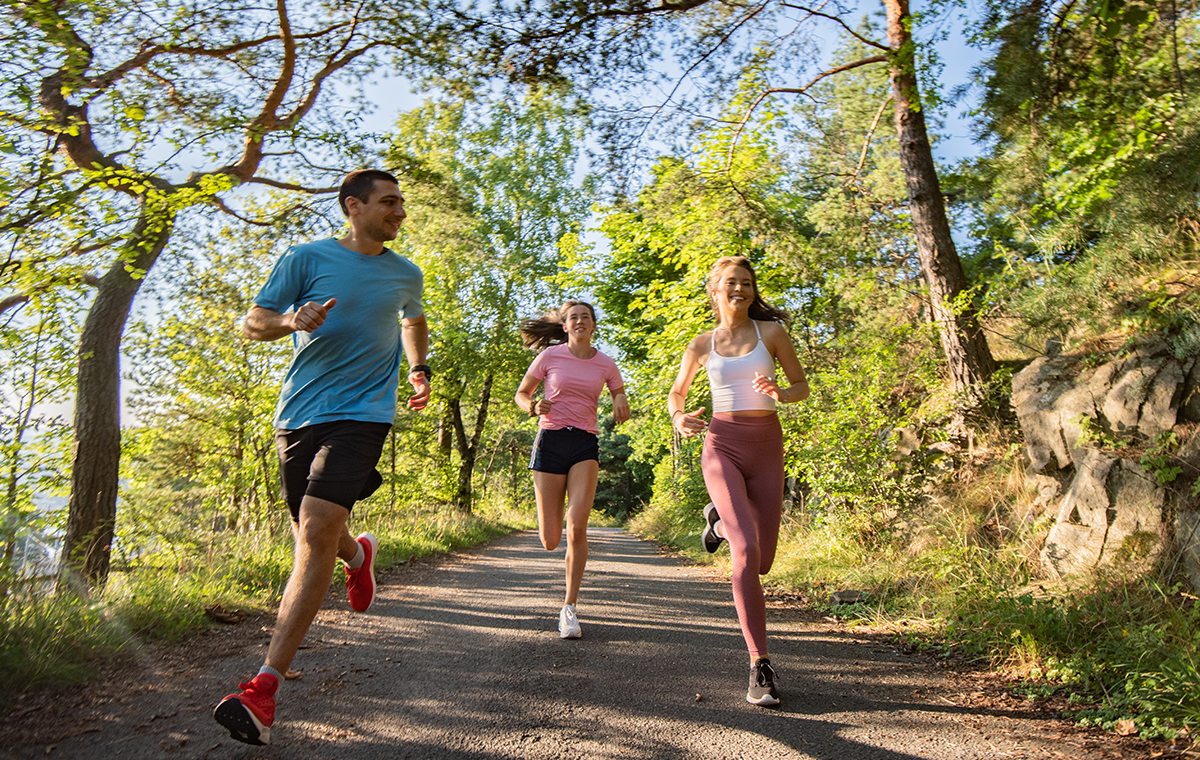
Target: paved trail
(461,659)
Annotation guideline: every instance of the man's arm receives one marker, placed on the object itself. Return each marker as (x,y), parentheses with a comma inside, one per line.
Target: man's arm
(414,335)
(264,324)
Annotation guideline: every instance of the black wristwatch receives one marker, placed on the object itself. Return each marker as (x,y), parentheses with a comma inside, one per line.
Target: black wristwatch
(424,369)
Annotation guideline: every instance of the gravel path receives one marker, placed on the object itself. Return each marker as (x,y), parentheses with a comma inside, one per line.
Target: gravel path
(460,658)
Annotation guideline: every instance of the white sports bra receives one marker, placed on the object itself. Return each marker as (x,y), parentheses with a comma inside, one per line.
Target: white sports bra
(731,378)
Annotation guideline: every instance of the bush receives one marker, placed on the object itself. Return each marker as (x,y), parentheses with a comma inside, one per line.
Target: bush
(674,515)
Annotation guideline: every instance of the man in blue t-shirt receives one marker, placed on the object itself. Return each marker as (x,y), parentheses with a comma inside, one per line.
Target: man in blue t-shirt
(339,300)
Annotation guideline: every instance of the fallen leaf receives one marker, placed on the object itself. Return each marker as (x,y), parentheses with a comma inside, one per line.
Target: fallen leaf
(292,675)
(1126,727)
(221,615)
(698,697)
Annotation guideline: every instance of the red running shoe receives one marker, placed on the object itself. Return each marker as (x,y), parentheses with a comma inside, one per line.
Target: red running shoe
(249,714)
(361,582)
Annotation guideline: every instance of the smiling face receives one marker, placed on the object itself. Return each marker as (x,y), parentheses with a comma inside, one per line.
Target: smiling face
(579,323)
(380,216)
(732,289)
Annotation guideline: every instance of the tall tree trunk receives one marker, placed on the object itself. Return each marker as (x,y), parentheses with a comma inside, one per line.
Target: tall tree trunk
(267,505)
(967,353)
(445,433)
(468,450)
(95,466)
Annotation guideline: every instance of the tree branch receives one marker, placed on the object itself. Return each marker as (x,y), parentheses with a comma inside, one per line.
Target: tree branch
(224,208)
(267,119)
(565,28)
(17,299)
(679,82)
(289,186)
(11,301)
(70,127)
(319,79)
(109,77)
(795,91)
(68,124)
(862,159)
(1056,36)
(353,29)
(839,21)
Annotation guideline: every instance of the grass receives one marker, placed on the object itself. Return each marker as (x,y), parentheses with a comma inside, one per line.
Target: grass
(961,578)
(51,638)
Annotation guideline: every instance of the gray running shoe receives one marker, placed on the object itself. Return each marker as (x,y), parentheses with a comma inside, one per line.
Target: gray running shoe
(762,684)
(709,537)
(568,623)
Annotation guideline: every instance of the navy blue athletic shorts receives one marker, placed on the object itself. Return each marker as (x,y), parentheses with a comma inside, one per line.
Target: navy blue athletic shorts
(334,461)
(557,451)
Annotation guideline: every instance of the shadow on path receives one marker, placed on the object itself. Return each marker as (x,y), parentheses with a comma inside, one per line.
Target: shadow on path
(461,659)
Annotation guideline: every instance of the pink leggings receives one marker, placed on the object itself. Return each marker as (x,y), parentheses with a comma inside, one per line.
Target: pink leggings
(742,463)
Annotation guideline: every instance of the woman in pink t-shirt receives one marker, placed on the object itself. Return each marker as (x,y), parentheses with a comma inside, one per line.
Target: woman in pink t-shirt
(566,452)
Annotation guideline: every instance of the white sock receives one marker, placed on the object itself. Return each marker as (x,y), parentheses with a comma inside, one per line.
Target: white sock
(359,558)
(272,671)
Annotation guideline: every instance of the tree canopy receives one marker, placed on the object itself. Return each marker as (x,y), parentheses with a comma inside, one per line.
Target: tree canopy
(137,143)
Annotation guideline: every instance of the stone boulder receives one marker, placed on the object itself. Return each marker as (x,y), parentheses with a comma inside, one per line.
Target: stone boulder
(1087,427)
(1112,510)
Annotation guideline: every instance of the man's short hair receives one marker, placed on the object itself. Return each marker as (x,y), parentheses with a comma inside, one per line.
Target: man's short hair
(359,184)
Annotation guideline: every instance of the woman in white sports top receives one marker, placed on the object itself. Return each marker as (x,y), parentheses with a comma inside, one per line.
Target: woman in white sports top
(742,459)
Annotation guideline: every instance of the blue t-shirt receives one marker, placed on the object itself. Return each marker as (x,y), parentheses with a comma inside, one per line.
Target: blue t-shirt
(348,368)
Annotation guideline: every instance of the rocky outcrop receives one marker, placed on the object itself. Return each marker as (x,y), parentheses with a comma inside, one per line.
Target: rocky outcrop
(1111,507)
(1086,429)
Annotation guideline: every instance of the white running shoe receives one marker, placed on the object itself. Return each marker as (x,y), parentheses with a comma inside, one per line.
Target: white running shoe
(568,624)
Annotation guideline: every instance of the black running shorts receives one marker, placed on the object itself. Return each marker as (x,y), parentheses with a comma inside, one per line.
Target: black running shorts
(334,461)
(557,451)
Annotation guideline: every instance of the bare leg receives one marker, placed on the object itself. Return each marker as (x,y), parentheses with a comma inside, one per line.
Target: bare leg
(551,491)
(581,492)
(321,538)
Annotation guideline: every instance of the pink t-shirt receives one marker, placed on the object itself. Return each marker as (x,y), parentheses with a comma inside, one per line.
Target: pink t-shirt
(574,386)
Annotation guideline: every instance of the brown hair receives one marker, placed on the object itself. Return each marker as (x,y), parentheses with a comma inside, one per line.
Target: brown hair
(359,184)
(759,308)
(547,330)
